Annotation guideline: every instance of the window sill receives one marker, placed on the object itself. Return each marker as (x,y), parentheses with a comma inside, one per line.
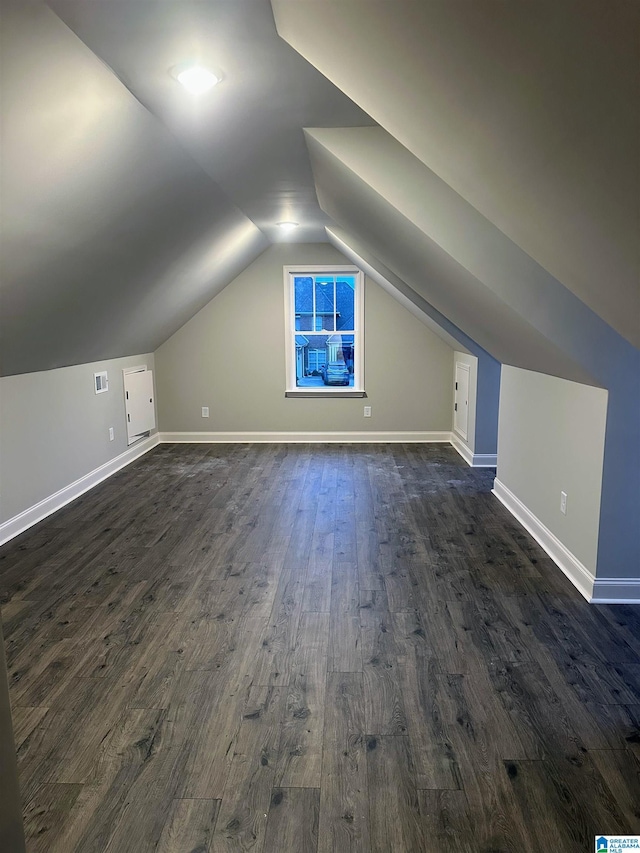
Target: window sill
(324,392)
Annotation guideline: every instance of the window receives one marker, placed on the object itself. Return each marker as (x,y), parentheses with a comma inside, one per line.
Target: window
(324,331)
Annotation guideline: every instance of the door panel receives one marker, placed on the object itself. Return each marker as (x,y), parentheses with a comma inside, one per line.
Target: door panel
(141,414)
(461,408)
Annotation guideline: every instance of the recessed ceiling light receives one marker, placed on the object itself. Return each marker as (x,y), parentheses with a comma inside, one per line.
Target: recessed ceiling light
(195,78)
(287,226)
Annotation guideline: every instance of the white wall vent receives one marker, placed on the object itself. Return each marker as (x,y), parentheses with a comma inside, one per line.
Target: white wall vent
(101,382)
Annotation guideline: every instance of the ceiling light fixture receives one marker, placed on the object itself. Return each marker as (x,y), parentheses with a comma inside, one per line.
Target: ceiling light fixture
(287,226)
(195,78)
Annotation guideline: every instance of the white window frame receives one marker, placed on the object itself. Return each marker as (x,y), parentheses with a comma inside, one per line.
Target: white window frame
(292,390)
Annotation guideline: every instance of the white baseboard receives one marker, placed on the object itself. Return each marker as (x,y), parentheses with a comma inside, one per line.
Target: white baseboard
(578,574)
(304,437)
(616,591)
(21,522)
(475,460)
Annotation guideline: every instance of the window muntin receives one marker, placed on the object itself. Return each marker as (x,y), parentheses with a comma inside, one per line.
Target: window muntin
(324,330)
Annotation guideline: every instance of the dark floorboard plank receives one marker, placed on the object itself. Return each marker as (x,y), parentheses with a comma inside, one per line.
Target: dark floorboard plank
(301,742)
(345,652)
(189,826)
(274,658)
(619,726)
(45,815)
(63,746)
(624,622)
(434,760)
(383,701)
(445,635)
(370,576)
(317,584)
(394,808)
(25,721)
(207,721)
(591,733)
(576,803)
(344,796)
(128,750)
(499,635)
(621,773)
(293,821)
(400,590)
(477,746)
(542,723)
(374,599)
(242,821)
(484,706)
(445,821)
(299,549)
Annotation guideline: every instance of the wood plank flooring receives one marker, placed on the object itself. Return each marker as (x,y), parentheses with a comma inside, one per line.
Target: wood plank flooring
(282,649)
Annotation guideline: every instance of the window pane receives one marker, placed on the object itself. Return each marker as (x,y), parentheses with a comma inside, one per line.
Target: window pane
(322,330)
(324,360)
(303,298)
(311,359)
(345,302)
(325,303)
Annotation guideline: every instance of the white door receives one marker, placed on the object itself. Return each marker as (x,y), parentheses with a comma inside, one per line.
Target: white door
(141,413)
(461,405)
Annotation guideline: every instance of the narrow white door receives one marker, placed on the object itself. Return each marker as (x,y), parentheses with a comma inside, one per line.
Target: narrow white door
(461,405)
(141,414)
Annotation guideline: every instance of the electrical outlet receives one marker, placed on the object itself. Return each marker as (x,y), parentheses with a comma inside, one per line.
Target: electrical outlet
(367,411)
(205,411)
(111,434)
(563,503)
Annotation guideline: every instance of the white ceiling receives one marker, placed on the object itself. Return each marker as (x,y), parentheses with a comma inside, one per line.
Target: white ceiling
(246,133)
(502,185)
(127,205)
(112,235)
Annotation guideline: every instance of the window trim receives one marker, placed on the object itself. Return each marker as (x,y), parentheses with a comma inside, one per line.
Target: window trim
(291,389)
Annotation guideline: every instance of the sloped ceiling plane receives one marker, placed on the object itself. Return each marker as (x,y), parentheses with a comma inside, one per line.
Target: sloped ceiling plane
(501,185)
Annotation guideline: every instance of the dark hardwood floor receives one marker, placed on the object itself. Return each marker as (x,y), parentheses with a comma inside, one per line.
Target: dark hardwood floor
(290,649)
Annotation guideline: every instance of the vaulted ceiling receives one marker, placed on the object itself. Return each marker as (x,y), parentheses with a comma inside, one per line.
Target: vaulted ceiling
(530,111)
(483,154)
(126,204)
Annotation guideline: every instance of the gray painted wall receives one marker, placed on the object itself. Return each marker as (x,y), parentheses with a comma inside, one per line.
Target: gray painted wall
(550,439)
(54,429)
(230,357)
(486,367)
(11,831)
